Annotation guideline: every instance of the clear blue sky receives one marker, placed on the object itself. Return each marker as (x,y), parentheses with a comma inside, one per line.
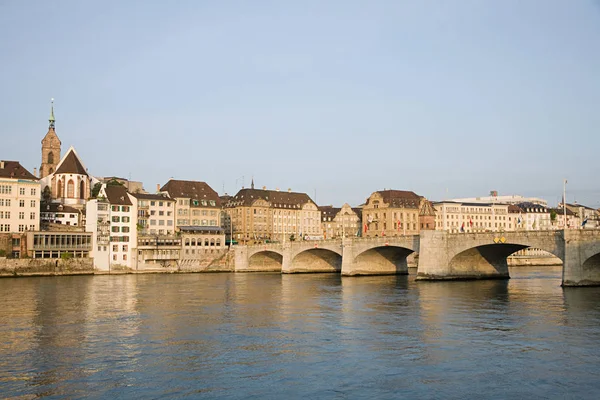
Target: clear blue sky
(341,98)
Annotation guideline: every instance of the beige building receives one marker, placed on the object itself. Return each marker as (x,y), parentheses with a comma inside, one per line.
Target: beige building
(196,203)
(155,214)
(339,222)
(271,215)
(391,213)
(456,217)
(19,198)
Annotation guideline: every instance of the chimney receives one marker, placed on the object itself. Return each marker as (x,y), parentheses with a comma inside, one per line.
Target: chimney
(35,172)
(264,188)
(1,164)
(289,190)
(277,189)
(157,187)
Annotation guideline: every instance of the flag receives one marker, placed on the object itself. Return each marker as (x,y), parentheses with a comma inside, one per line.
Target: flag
(584,222)
(399,225)
(519,220)
(462,227)
(382,232)
(366,228)
(470,222)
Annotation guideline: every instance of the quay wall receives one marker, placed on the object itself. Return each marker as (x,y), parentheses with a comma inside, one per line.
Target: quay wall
(45,267)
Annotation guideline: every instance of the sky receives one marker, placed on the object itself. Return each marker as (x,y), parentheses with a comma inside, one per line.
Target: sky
(335,98)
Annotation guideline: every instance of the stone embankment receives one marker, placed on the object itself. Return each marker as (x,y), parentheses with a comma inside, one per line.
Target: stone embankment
(45,267)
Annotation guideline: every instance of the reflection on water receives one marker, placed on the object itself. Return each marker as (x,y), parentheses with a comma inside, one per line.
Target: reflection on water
(300,336)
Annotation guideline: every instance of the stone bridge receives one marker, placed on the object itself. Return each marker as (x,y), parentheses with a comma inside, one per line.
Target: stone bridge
(442,255)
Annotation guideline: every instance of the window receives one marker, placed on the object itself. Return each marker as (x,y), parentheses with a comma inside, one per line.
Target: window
(152,203)
(21,215)
(125,208)
(32,203)
(115,208)
(124,247)
(32,215)
(115,219)
(22,191)
(115,247)
(21,228)
(152,222)
(114,229)
(21,203)
(125,229)
(124,257)
(160,203)
(114,257)
(5,189)
(32,192)
(32,227)
(161,222)
(169,223)
(161,213)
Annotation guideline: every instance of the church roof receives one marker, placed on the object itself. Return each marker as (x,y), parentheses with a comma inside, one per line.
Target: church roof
(14,170)
(71,164)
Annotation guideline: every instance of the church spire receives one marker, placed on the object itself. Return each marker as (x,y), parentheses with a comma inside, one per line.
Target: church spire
(51,120)
(252,184)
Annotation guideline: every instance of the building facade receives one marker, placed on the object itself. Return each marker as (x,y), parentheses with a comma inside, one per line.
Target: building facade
(337,222)
(454,217)
(19,198)
(259,215)
(196,203)
(50,148)
(391,213)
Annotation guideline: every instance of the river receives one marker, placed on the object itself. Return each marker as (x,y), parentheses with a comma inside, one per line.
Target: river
(318,336)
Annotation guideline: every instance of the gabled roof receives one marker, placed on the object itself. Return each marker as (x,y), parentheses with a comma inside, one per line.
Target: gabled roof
(57,207)
(71,164)
(328,212)
(427,209)
(561,211)
(532,207)
(117,194)
(14,170)
(192,190)
(147,196)
(293,200)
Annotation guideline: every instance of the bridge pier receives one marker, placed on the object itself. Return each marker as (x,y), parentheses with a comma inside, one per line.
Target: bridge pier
(581,265)
(376,256)
(440,259)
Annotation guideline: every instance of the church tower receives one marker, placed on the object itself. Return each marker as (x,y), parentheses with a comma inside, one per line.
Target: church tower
(50,148)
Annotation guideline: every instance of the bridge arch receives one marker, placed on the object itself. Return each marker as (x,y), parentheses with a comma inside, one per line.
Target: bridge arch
(316,260)
(488,257)
(382,260)
(265,260)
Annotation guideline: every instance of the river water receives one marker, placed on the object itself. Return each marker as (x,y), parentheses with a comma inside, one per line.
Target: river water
(271,336)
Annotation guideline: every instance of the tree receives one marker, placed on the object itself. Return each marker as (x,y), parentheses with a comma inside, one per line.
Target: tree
(553,215)
(292,237)
(47,194)
(96,190)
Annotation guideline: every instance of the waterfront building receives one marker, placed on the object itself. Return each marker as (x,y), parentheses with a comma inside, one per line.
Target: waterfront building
(391,213)
(259,215)
(112,221)
(573,220)
(339,222)
(196,203)
(533,216)
(584,213)
(56,244)
(19,207)
(155,214)
(455,217)
(494,198)
(56,216)
(19,198)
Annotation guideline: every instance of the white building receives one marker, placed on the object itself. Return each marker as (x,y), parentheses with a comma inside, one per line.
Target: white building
(533,217)
(19,198)
(454,216)
(115,212)
(512,199)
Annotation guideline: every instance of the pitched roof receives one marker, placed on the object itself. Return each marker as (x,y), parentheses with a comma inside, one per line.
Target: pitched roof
(561,211)
(148,196)
(14,170)
(57,207)
(328,212)
(191,189)
(427,209)
(71,164)
(246,197)
(400,198)
(532,207)
(117,194)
